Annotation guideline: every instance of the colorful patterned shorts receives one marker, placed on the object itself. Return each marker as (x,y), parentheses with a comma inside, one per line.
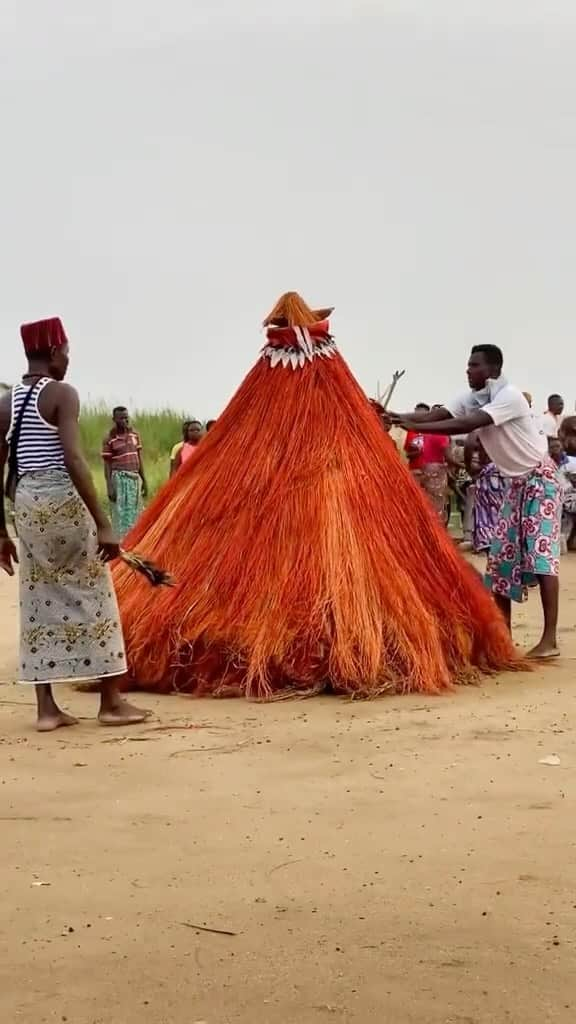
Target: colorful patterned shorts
(526,540)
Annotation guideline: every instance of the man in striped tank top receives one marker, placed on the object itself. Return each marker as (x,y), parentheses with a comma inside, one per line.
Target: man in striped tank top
(69,623)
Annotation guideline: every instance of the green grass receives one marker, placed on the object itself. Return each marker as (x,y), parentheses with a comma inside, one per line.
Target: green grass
(159,431)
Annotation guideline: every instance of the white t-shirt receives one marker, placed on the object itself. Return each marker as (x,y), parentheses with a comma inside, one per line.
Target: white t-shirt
(551,424)
(516,443)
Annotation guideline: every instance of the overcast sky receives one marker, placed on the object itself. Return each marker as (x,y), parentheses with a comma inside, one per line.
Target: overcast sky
(169,167)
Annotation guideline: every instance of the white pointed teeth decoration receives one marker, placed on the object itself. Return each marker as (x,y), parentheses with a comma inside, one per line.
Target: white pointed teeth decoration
(297,357)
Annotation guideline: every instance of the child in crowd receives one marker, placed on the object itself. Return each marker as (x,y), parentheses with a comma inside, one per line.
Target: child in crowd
(563,453)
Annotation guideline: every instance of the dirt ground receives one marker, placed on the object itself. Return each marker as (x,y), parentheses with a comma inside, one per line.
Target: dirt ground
(407,861)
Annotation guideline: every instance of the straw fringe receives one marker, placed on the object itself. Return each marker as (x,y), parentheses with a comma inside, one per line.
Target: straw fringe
(306,558)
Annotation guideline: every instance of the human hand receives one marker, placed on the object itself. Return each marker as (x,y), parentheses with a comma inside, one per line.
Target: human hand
(8,555)
(108,544)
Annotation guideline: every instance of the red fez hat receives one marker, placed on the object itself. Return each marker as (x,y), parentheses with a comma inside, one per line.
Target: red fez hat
(42,336)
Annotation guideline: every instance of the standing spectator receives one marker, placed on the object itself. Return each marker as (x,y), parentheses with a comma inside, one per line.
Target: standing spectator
(435,471)
(526,542)
(176,448)
(124,471)
(568,438)
(69,622)
(192,437)
(563,453)
(464,469)
(428,458)
(552,418)
(414,443)
(209,424)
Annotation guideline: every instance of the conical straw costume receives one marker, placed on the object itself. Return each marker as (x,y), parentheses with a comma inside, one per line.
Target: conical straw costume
(305,557)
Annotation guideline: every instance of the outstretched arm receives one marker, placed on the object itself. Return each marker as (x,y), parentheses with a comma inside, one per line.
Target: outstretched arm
(420,416)
(451,426)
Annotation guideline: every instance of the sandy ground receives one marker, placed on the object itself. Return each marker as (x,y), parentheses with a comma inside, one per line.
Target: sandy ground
(406,861)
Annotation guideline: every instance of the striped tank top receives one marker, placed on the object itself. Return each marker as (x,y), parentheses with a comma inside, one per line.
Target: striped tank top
(39,446)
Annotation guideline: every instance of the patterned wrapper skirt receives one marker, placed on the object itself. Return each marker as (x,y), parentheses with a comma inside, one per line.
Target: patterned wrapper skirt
(526,539)
(69,622)
(434,480)
(488,497)
(128,505)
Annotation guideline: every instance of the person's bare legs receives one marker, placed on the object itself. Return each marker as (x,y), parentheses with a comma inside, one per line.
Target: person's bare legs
(549,593)
(505,606)
(114,710)
(50,717)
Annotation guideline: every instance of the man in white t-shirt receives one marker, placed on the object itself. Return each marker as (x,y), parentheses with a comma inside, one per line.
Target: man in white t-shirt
(526,542)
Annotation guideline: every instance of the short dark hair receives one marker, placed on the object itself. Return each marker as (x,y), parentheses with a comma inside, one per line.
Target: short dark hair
(422,405)
(552,397)
(119,408)
(492,354)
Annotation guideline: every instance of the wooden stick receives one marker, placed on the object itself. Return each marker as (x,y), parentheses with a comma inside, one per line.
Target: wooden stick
(203,928)
(396,376)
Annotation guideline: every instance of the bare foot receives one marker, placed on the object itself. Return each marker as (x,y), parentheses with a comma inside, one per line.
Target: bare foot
(123,714)
(48,723)
(543,651)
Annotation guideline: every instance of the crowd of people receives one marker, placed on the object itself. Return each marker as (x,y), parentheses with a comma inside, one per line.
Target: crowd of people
(459,477)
